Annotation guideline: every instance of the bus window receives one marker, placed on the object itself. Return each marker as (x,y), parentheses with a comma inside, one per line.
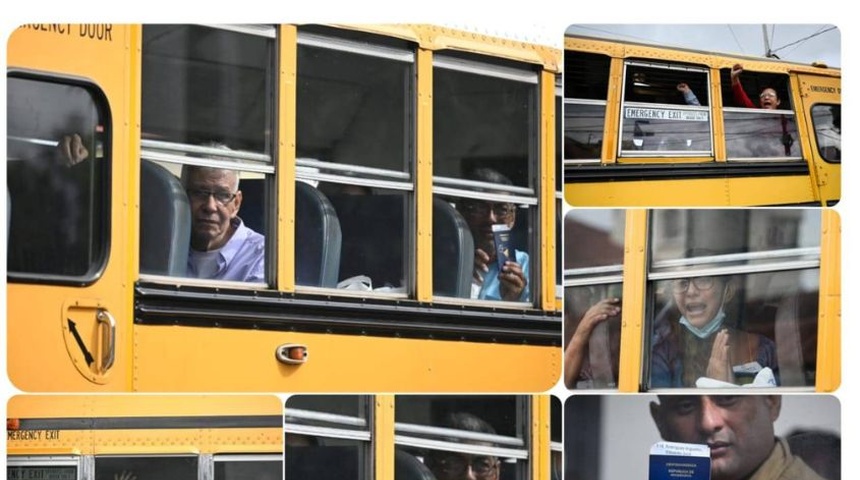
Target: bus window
(58,180)
(162,466)
(665,110)
(53,467)
(759,120)
(489,173)
(327,437)
(593,272)
(827,121)
(735,298)
(586,86)
(241,467)
(452,435)
(207,111)
(355,143)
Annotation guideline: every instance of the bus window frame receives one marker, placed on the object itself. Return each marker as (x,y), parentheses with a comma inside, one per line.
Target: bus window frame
(761,111)
(363,428)
(701,155)
(816,131)
(240,161)
(797,259)
(105,208)
(522,197)
(395,181)
(427,437)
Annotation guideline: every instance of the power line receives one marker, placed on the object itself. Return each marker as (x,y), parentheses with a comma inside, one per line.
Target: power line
(732,31)
(804,39)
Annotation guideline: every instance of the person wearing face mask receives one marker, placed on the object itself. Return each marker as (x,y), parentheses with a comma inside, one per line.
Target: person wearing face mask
(702,343)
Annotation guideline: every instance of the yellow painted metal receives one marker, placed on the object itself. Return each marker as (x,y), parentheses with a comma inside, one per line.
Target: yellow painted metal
(809,90)
(829,352)
(717,122)
(145,440)
(539,451)
(33,311)
(424,177)
(786,190)
(383,434)
(613,111)
(633,293)
(171,358)
(286,157)
(547,192)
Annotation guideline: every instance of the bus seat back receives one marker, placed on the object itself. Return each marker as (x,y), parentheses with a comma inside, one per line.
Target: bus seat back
(373,241)
(322,462)
(407,467)
(253,208)
(453,252)
(165,222)
(318,238)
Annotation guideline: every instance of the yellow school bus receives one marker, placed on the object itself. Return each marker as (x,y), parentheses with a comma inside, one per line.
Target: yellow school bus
(420,437)
(353,146)
(632,138)
(144,436)
(648,293)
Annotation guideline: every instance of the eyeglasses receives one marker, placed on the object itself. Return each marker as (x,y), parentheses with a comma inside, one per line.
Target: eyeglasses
(454,465)
(482,209)
(767,95)
(203,196)
(681,285)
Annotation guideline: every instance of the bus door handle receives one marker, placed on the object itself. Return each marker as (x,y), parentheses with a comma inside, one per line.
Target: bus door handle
(108,344)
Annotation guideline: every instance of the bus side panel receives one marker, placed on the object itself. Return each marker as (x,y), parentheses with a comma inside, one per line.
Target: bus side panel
(41,350)
(694,193)
(815,90)
(176,358)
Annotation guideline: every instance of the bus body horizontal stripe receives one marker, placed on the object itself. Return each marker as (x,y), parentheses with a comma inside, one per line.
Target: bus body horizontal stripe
(157,304)
(152,423)
(634,172)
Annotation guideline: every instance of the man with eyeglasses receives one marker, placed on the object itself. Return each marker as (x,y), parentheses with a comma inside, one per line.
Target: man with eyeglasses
(461,466)
(222,247)
(509,283)
(702,342)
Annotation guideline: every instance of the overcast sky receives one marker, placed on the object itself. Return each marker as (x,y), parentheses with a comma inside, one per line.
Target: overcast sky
(796,43)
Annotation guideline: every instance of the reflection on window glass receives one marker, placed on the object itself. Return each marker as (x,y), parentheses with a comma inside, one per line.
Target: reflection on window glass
(355,136)
(327,437)
(665,110)
(202,84)
(594,253)
(457,436)
(147,468)
(760,134)
(713,323)
(827,120)
(57,174)
(41,472)
(248,470)
(586,84)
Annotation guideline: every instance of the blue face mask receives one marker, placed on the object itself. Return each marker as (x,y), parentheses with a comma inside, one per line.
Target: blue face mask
(708,329)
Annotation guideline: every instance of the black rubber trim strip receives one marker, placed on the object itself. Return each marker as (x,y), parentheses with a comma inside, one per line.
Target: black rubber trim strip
(667,171)
(159,304)
(152,423)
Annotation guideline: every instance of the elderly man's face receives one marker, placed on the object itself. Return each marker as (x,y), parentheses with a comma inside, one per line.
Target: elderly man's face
(768,99)
(737,428)
(481,216)
(214,202)
(461,466)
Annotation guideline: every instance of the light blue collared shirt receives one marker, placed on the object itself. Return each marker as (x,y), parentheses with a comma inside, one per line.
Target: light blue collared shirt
(490,287)
(241,259)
